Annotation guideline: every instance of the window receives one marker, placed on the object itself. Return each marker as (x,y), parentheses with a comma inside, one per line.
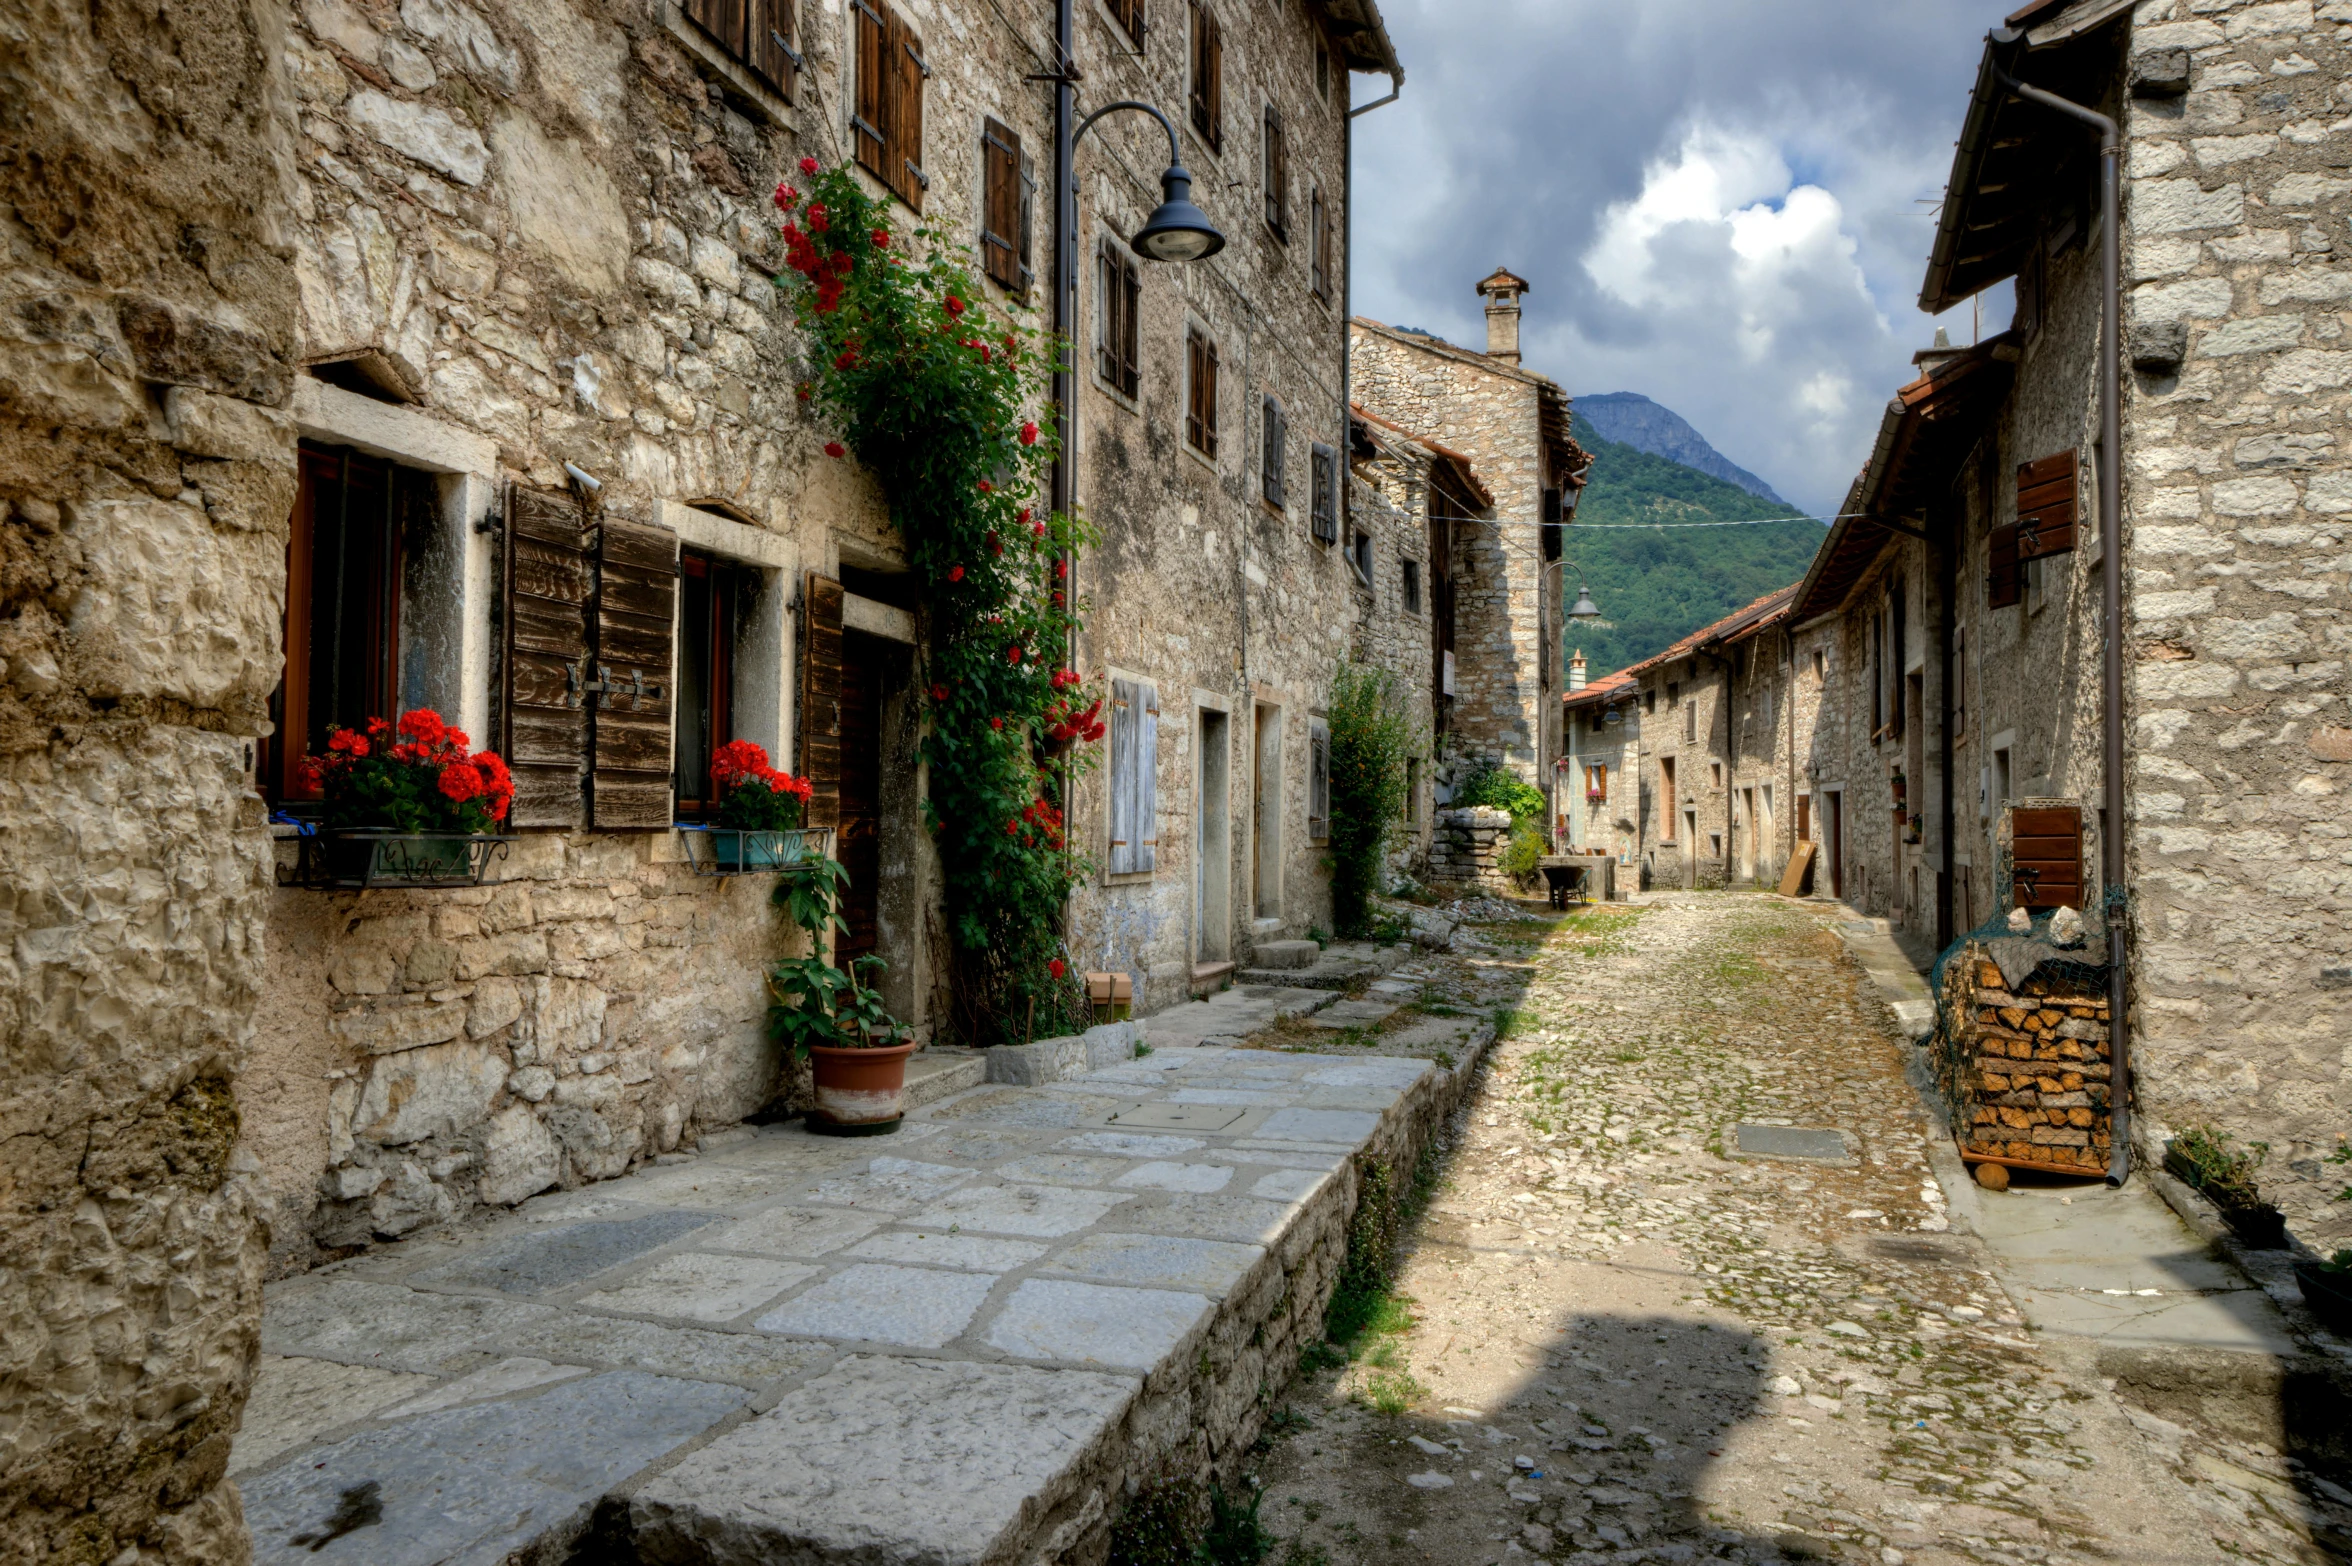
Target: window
(1134,775)
(1117,316)
(1666,789)
(1360,556)
(1319,244)
(1008,206)
(1129,14)
(710,599)
(1323,72)
(1690,722)
(1200,391)
(1208,76)
(1820,667)
(1323,513)
(1673,693)
(1412,790)
(756,32)
(1411,572)
(2004,584)
(1277,176)
(1596,783)
(343,567)
(1877,677)
(1715,774)
(886,130)
(1318,780)
(1276,437)
(1650,700)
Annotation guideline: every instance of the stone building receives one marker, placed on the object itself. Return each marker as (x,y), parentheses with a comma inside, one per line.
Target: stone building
(1967,622)
(1511,425)
(1687,766)
(356,313)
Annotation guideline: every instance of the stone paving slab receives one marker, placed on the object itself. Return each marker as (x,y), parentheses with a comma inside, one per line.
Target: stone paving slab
(956,1318)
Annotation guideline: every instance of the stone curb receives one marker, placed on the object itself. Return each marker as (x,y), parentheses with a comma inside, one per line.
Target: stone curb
(1059,1060)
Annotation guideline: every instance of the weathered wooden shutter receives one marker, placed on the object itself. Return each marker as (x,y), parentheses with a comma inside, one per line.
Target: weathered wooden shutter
(2045,856)
(1323,510)
(1000,201)
(1130,279)
(2004,573)
(550,580)
(1318,244)
(1135,747)
(2046,506)
(1270,457)
(768,46)
(1195,372)
(1277,174)
(1318,780)
(1208,71)
(1024,271)
(869,120)
(723,20)
(908,70)
(629,784)
(1209,395)
(820,699)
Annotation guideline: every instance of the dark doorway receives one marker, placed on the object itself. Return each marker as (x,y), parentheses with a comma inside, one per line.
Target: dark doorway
(865,667)
(1836,823)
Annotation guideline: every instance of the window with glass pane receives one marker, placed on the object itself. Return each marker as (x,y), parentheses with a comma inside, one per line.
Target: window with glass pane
(710,601)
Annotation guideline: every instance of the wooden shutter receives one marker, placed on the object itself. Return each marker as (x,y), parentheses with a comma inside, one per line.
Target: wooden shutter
(1122,290)
(1323,508)
(1277,174)
(768,47)
(1319,245)
(819,723)
(2004,573)
(1135,756)
(2047,492)
(1130,16)
(1208,72)
(1209,394)
(550,581)
(1025,274)
(2045,856)
(1130,325)
(1000,201)
(1804,818)
(629,783)
(870,119)
(1318,780)
(905,98)
(1277,439)
(1195,374)
(723,20)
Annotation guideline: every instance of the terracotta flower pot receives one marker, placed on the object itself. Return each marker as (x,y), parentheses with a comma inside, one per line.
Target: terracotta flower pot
(860,1092)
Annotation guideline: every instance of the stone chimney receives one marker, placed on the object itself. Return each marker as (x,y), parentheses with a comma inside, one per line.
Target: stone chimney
(1576,671)
(1502,293)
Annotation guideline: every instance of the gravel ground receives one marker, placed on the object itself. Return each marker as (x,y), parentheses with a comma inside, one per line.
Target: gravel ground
(1611,1342)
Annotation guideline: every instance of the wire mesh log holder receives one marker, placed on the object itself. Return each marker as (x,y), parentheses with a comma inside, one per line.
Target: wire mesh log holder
(731,851)
(359,858)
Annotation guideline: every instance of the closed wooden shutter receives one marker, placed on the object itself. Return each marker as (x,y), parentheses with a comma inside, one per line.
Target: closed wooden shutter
(1277,441)
(1208,72)
(1028,234)
(1319,246)
(1323,510)
(1117,357)
(1135,757)
(629,786)
(1209,395)
(2047,491)
(2045,856)
(722,19)
(869,119)
(1130,16)
(908,71)
(2004,573)
(550,580)
(1000,201)
(1318,780)
(1200,411)
(1804,818)
(819,724)
(768,46)
(1277,174)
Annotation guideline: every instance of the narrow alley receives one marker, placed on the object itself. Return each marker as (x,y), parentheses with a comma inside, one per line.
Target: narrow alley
(1612,1328)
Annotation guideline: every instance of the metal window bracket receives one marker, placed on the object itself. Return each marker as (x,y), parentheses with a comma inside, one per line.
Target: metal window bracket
(921,64)
(857,122)
(916,169)
(790,53)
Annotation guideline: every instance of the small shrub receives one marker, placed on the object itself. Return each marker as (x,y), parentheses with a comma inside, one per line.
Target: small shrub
(1528,844)
(1495,788)
(1372,737)
(1235,1537)
(2218,1169)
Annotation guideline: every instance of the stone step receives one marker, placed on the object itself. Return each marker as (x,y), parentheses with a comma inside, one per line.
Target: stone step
(1338,967)
(961,1344)
(1209,975)
(1285,954)
(938,1073)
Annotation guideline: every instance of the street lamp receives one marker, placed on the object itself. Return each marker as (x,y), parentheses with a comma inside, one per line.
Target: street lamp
(1178,230)
(1584,607)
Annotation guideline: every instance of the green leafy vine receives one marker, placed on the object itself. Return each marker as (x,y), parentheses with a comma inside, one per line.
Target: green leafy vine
(941,403)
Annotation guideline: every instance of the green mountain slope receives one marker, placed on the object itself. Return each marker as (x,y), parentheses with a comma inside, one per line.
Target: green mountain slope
(1656,587)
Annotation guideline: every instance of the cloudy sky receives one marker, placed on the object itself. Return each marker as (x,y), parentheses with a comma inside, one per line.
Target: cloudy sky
(1717,203)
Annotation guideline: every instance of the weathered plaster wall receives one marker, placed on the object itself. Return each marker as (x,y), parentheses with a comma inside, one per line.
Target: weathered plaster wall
(146,469)
(2237,492)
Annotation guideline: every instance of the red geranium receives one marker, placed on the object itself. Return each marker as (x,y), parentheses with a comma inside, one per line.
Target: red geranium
(416,775)
(955,306)
(1057,967)
(754,796)
(955,573)
(1029,433)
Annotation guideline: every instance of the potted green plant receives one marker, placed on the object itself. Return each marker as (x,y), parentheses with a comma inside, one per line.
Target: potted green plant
(857,1051)
(2205,1159)
(404,804)
(756,824)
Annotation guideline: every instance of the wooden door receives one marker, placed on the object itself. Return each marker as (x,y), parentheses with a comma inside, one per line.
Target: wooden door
(859,841)
(1837,844)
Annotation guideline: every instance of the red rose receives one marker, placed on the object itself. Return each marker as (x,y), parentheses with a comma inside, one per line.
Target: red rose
(995,545)
(955,306)
(996,723)
(1057,967)
(819,219)
(808,165)
(881,239)
(1009,344)
(1029,434)
(834,448)
(804,391)
(785,194)
(846,361)
(939,693)
(1013,653)
(987,488)
(1061,568)
(1038,530)
(955,573)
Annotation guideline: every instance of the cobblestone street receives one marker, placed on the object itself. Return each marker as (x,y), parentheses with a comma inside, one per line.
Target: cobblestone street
(1614,1337)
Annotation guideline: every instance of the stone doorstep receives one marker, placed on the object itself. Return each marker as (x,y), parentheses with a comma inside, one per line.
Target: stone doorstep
(1128,1322)
(1336,969)
(934,1074)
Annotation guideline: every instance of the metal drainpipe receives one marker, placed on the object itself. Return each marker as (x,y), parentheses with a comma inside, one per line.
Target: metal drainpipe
(2114,900)
(1948,590)
(1730,772)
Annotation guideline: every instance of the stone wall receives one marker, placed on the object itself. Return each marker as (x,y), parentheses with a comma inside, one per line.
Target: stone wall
(146,469)
(1505,682)
(1389,500)
(2237,489)
(1466,849)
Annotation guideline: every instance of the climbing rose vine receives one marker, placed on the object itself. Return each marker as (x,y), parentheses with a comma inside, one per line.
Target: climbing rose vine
(939,402)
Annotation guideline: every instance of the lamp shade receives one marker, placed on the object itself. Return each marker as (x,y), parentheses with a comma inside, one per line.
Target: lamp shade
(1584,608)
(1178,230)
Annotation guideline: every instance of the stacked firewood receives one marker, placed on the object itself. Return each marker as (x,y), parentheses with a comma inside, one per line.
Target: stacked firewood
(2033,1067)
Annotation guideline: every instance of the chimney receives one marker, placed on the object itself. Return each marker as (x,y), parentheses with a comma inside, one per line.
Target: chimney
(1576,671)
(1502,293)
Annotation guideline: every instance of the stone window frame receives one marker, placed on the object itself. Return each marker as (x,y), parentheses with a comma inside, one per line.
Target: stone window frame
(1409,594)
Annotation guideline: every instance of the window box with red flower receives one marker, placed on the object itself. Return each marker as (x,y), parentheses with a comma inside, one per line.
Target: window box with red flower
(410,804)
(756,826)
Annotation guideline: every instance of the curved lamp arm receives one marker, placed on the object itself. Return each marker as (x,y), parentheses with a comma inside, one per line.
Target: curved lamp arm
(1087,123)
